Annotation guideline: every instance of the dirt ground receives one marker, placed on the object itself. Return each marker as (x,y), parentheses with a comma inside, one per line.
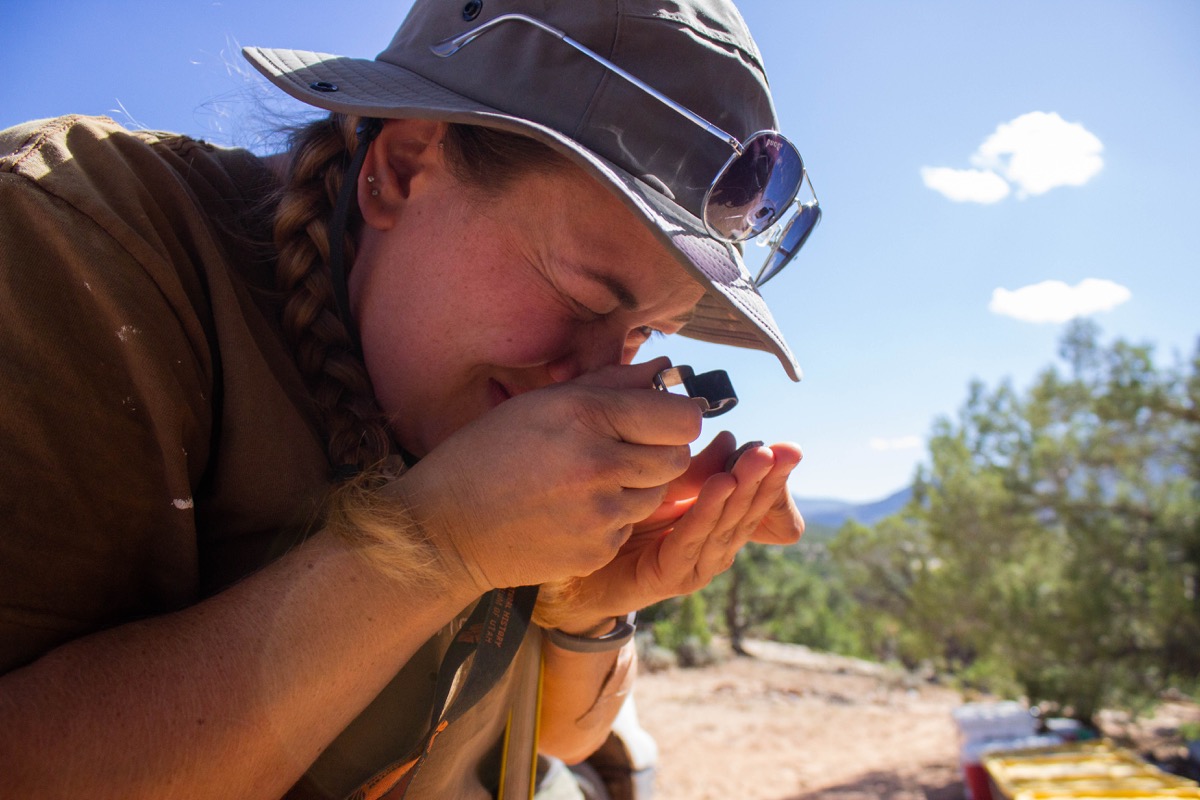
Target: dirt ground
(792,724)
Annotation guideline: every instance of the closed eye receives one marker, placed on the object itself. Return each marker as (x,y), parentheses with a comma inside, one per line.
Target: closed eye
(644,333)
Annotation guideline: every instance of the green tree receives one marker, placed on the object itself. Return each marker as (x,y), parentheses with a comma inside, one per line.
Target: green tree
(1053,542)
(790,594)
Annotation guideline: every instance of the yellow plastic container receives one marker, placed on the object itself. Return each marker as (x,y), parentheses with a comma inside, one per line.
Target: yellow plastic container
(1097,770)
(1112,794)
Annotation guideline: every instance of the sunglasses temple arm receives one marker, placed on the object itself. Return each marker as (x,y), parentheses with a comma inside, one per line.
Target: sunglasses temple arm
(449,47)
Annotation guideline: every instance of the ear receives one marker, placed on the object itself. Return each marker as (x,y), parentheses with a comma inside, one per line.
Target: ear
(400,160)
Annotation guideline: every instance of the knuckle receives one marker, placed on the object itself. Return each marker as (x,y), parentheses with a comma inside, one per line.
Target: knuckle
(595,410)
(610,512)
(614,539)
(679,458)
(684,417)
(613,458)
(652,498)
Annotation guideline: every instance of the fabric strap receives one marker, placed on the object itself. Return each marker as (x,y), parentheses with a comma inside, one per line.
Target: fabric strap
(476,659)
(482,651)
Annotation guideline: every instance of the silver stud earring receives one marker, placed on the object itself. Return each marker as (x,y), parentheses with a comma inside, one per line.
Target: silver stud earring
(374,191)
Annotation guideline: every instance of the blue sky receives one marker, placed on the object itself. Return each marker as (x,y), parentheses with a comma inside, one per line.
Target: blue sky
(965,153)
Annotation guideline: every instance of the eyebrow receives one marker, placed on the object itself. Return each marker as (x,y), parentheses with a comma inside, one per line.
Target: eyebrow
(625,296)
(616,287)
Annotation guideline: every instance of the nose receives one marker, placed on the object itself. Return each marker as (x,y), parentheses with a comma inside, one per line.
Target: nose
(593,347)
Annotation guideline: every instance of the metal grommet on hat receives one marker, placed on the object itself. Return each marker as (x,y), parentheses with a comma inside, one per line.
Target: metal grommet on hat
(323,86)
(471,10)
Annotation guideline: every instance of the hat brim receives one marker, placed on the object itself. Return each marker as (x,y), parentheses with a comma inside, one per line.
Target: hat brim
(731,312)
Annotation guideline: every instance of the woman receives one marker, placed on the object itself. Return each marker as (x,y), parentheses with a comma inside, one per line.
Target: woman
(274,428)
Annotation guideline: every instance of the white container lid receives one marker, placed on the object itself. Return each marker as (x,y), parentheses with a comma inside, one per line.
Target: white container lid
(1008,719)
(973,752)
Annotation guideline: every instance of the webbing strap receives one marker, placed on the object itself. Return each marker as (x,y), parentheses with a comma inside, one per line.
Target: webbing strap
(476,659)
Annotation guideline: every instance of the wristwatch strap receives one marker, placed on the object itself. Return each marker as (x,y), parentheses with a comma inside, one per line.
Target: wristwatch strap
(613,640)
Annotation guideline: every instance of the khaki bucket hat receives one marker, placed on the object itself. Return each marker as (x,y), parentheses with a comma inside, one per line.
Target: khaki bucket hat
(522,79)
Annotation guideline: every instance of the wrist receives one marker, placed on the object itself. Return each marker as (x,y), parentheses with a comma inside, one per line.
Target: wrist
(375,522)
(444,530)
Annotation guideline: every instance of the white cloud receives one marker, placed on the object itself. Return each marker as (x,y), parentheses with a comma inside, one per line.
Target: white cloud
(1039,152)
(966,185)
(1055,301)
(1036,152)
(899,443)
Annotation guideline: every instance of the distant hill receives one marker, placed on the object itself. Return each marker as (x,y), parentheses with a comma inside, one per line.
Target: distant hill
(832,513)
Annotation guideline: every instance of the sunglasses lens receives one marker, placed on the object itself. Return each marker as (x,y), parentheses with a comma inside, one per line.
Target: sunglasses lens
(754,188)
(794,235)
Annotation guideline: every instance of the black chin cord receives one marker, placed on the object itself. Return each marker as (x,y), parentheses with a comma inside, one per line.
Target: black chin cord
(368,129)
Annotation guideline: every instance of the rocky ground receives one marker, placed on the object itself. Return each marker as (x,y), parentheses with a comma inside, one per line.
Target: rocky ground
(791,724)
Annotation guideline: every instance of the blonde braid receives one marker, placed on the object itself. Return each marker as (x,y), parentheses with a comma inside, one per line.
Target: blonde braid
(358,440)
(356,429)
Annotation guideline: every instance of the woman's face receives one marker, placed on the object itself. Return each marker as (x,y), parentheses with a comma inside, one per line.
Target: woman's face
(464,301)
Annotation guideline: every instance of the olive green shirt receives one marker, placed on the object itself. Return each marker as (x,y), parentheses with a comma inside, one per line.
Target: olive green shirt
(156,440)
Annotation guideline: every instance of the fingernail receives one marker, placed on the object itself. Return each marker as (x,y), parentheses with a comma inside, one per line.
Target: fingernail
(736,454)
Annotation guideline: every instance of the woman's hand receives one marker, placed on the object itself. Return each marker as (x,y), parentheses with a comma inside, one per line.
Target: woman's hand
(549,483)
(707,516)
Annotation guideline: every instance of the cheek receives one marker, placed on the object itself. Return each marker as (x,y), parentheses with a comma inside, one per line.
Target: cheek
(527,336)
(519,325)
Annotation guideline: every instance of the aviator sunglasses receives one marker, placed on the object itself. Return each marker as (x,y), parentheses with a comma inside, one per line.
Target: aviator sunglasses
(750,193)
